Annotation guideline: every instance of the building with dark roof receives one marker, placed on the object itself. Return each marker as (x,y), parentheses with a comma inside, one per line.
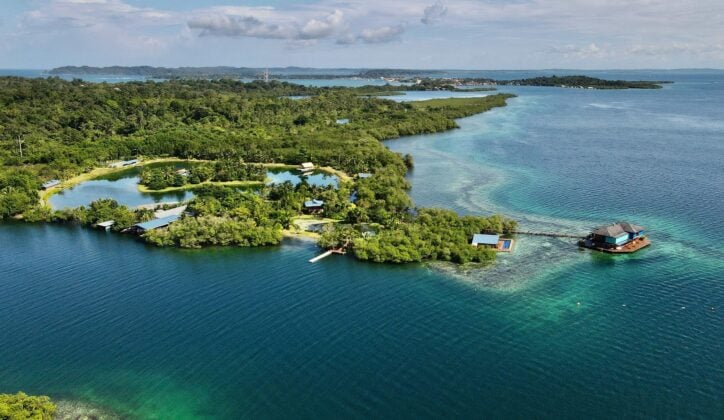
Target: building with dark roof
(615,235)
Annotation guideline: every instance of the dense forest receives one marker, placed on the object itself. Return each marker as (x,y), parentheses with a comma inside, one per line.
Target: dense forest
(21,406)
(50,128)
(223,170)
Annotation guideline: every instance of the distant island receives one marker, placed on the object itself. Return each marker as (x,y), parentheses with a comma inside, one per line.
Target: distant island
(575,82)
(582,82)
(411,79)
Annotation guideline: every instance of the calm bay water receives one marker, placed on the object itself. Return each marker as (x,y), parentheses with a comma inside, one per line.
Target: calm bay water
(548,332)
(123,187)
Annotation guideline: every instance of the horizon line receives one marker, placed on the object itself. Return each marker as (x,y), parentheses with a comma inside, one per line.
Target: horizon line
(371,68)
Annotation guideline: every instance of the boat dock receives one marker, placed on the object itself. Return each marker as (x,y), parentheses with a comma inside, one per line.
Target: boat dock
(550,234)
(340,251)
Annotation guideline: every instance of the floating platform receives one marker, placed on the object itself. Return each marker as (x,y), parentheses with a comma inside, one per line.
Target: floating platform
(628,248)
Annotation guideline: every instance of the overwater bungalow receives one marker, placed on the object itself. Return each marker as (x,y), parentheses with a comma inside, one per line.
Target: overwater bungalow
(620,237)
(313,206)
(50,184)
(306,167)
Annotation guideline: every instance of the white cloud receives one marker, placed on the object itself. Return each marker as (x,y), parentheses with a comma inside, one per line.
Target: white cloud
(580,52)
(675,48)
(382,34)
(224,25)
(434,13)
(251,26)
(245,22)
(59,15)
(613,32)
(324,28)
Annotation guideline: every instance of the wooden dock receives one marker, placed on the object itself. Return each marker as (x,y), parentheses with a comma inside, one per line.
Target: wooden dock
(549,234)
(340,251)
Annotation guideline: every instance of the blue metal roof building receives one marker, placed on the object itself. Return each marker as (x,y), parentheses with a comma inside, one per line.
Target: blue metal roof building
(157,223)
(313,203)
(482,239)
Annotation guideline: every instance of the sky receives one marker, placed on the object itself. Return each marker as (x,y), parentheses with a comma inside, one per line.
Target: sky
(450,34)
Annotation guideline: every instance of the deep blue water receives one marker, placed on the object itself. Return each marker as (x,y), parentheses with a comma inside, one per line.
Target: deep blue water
(548,332)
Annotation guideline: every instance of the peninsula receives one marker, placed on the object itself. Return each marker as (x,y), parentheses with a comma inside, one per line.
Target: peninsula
(55,130)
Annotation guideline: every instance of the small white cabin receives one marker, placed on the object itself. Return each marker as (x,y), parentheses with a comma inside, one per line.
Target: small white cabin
(306,167)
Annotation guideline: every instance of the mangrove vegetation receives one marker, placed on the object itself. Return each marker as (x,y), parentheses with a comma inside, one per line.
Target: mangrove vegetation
(55,129)
(21,406)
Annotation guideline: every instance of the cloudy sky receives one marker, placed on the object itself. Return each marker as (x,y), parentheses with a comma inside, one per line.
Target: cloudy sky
(470,34)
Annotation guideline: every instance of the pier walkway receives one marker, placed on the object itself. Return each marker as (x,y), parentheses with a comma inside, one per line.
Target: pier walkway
(340,251)
(550,234)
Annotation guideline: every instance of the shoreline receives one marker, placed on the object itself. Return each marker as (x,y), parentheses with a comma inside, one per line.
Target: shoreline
(462,107)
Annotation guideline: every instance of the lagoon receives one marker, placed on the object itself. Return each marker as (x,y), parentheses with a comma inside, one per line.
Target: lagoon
(123,187)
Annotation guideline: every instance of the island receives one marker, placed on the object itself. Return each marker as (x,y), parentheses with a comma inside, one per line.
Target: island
(482,84)
(405,79)
(56,130)
(583,82)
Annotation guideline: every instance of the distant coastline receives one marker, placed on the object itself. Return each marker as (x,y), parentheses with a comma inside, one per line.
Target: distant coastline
(412,79)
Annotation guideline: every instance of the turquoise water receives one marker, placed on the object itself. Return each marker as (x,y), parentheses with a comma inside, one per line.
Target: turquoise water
(123,187)
(548,332)
(413,95)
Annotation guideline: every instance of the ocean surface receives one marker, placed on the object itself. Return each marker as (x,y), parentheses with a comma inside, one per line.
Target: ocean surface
(549,331)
